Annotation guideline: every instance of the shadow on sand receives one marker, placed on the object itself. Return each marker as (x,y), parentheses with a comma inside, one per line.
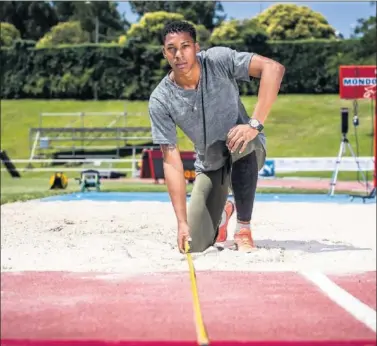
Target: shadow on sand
(311,246)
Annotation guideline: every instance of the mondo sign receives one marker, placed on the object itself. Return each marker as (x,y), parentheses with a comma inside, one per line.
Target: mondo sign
(357,82)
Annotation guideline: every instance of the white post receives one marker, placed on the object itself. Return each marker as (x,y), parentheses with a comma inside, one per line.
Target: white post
(133,161)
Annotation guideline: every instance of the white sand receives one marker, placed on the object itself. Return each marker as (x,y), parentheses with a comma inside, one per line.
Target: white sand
(137,237)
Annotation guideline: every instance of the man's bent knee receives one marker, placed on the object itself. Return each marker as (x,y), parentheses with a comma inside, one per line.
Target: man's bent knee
(199,245)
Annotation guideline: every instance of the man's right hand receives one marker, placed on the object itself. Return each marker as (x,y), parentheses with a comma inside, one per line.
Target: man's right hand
(183,236)
(176,183)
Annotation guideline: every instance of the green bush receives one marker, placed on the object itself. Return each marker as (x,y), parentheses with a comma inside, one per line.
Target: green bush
(131,71)
(8,34)
(308,64)
(64,33)
(245,33)
(293,22)
(149,27)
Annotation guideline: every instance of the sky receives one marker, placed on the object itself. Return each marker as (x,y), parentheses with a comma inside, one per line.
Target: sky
(341,15)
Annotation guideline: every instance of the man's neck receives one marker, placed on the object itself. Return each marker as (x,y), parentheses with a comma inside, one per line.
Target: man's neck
(189,80)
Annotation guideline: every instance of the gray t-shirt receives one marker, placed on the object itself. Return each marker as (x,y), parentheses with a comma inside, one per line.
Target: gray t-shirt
(206,114)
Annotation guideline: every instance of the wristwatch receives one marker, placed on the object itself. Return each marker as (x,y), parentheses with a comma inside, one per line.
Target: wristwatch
(255,124)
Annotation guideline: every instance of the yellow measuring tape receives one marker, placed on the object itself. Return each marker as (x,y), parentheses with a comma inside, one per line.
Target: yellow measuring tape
(201,332)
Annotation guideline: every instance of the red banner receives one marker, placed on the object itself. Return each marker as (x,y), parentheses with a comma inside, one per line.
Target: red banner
(152,164)
(357,82)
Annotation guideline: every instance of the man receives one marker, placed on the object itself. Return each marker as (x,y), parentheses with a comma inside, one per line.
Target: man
(200,96)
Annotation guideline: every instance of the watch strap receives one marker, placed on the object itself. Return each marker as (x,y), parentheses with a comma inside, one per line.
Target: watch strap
(258,126)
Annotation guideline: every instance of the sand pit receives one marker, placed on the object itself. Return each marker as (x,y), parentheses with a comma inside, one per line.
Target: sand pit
(135,237)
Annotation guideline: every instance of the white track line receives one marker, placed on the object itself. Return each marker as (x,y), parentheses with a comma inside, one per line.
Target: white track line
(348,302)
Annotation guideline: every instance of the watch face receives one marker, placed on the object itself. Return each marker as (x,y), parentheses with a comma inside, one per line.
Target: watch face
(254,122)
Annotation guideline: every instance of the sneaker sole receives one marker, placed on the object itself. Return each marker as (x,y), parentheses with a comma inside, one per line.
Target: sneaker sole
(245,250)
(226,235)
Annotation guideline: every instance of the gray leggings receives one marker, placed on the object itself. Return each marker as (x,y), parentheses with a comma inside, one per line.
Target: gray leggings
(210,193)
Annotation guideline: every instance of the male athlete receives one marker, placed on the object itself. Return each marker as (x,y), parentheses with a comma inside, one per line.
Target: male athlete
(201,97)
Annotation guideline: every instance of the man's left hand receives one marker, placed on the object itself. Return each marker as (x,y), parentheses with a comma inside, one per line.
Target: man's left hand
(240,134)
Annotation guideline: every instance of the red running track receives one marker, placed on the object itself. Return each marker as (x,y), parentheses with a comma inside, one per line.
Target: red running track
(269,308)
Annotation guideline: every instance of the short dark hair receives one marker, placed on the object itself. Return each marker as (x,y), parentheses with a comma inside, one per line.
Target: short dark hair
(176,27)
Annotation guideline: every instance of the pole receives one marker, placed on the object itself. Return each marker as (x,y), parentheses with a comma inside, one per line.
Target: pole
(96,23)
(133,161)
(375,143)
(97,29)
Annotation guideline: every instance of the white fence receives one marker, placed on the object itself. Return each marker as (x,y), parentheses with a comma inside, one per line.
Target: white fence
(96,162)
(272,165)
(321,164)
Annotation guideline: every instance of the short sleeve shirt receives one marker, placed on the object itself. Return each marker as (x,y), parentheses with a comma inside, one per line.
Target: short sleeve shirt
(206,114)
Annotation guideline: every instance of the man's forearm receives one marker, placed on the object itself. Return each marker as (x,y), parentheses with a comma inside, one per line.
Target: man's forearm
(269,87)
(176,183)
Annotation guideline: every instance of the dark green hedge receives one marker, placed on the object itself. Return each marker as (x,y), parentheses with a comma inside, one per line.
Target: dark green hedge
(131,72)
(311,65)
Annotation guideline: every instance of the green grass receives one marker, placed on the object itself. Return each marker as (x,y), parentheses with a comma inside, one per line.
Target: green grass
(36,185)
(298,126)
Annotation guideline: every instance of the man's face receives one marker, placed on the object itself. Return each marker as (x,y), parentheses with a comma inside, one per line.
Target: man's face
(180,50)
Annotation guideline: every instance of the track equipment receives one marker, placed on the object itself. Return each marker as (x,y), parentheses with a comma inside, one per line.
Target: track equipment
(58,181)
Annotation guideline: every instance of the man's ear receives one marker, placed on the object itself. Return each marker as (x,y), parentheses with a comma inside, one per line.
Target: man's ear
(197,47)
(163,51)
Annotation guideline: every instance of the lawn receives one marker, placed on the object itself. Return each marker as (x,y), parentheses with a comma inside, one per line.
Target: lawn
(298,126)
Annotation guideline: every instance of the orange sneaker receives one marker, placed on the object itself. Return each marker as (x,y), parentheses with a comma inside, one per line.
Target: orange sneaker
(223,229)
(243,240)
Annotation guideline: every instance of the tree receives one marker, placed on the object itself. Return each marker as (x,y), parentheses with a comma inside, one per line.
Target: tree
(64,10)
(64,33)
(91,13)
(203,35)
(228,30)
(208,13)
(245,33)
(8,34)
(31,18)
(148,29)
(366,32)
(293,22)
